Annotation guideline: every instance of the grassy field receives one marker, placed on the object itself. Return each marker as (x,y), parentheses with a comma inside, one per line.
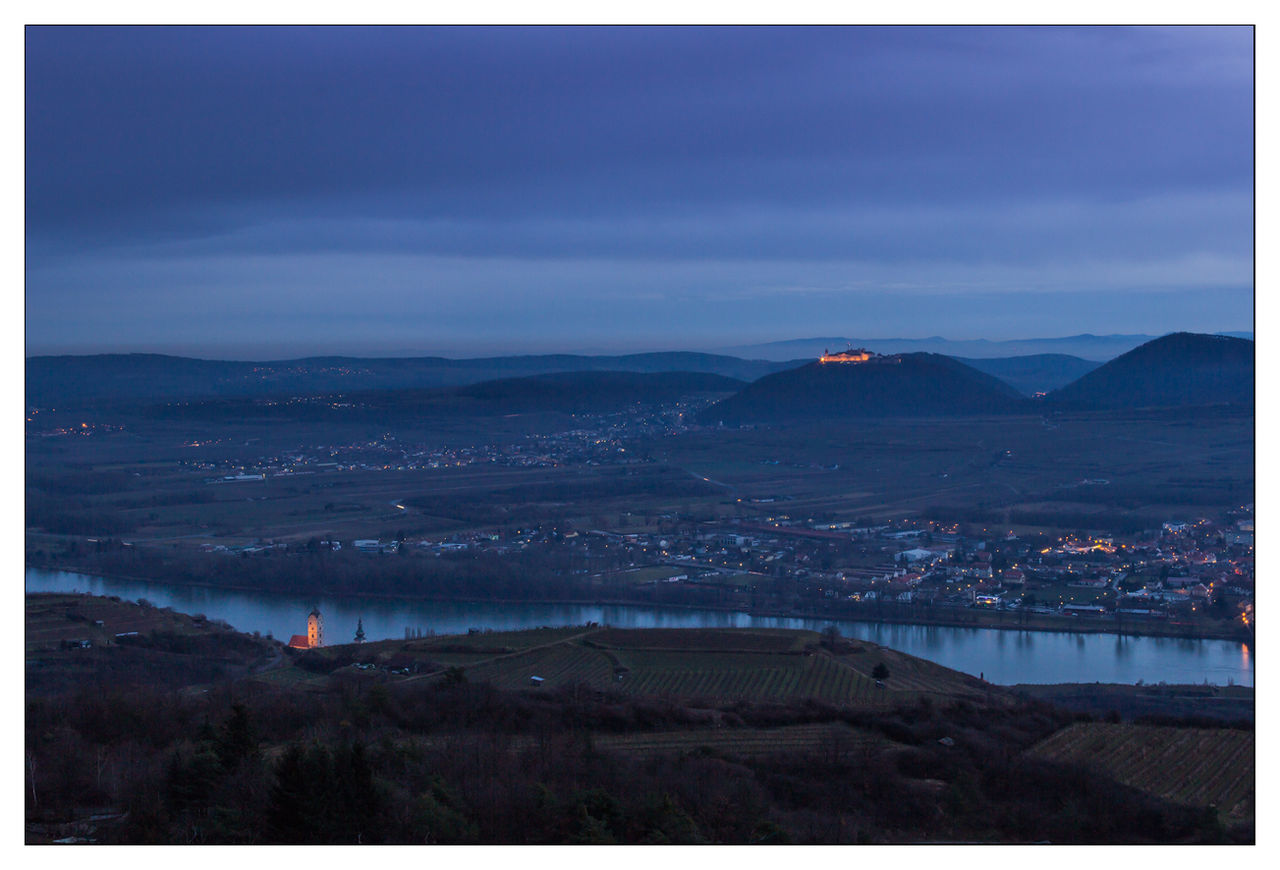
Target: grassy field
(1194,766)
(1154,463)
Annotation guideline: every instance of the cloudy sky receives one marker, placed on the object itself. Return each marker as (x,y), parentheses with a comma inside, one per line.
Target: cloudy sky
(265,193)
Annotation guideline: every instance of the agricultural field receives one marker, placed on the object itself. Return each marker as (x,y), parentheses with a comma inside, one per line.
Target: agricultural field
(707,664)
(749,676)
(559,665)
(1014,469)
(1192,766)
(910,674)
(1154,462)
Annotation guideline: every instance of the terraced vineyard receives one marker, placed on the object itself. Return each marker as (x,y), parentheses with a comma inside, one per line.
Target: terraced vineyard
(911,674)
(1194,766)
(715,665)
(747,675)
(558,665)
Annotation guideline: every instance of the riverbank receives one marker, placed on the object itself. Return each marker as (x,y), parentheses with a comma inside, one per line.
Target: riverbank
(879,614)
(1005,657)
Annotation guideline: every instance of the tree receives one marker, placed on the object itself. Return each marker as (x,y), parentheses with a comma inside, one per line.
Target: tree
(880,671)
(236,740)
(831,636)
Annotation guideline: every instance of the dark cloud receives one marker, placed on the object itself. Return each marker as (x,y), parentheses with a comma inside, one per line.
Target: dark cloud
(165,150)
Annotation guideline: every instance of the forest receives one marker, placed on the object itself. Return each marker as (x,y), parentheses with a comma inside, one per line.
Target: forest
(459,762)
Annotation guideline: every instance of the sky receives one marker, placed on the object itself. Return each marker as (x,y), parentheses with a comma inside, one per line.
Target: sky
(266,193)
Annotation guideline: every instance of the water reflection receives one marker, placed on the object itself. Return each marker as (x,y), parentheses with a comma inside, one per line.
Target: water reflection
(1003,656)
(1122,648)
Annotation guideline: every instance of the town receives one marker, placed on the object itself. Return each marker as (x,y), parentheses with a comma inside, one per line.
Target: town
(1170,575)
(749,548)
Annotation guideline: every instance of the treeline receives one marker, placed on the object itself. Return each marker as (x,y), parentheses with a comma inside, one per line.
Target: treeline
(453,762)
(539,573)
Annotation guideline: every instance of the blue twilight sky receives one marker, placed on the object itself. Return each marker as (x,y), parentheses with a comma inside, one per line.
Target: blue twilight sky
(268,192)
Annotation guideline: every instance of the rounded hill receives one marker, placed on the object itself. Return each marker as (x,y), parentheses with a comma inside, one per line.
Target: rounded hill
(1183,368)
(899,385)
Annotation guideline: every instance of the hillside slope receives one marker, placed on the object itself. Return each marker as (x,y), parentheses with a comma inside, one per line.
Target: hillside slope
(1180,369)
(906,385)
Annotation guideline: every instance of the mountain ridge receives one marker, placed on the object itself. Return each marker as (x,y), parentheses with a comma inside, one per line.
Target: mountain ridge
(1098,348)
(62,380)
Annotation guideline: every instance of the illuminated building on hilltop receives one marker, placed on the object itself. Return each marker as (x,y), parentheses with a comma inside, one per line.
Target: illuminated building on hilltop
(852,355)
(315,633)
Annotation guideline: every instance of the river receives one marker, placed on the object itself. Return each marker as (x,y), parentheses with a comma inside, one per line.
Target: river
(1002,656)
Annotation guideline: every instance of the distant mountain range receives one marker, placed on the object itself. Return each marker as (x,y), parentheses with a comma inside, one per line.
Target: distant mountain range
(1175,370)
(87,380)
(1086,346)
(1038,373)
(561,392)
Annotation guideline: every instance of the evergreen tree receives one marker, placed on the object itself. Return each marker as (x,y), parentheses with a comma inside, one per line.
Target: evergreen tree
(235,741)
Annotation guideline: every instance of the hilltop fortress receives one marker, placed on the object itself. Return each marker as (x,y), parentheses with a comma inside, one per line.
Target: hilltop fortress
(856,355)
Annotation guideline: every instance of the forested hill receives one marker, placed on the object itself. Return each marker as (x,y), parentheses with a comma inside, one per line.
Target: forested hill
(905,385)
(60,381)
(1181,369)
